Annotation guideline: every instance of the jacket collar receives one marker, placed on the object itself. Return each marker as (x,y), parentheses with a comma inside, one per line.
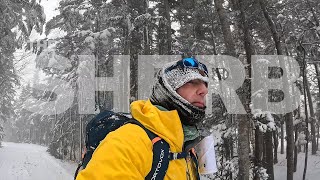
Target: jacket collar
(166,124)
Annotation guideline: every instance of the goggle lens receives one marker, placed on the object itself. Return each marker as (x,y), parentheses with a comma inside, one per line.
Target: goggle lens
(193,63)
(190,63)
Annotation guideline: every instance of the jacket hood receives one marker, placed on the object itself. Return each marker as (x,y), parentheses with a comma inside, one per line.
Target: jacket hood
(166,124)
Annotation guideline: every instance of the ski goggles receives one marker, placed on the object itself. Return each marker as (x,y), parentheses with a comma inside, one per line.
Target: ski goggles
(191,63)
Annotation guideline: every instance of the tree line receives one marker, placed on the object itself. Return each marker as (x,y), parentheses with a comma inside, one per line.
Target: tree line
(247,145)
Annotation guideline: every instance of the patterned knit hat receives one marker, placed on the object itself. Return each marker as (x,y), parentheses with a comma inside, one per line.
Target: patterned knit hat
(172,76)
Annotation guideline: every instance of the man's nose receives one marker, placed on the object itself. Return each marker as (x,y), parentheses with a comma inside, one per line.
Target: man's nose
(203,89)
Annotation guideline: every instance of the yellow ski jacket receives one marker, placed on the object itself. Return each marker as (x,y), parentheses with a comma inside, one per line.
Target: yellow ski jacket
(127,152)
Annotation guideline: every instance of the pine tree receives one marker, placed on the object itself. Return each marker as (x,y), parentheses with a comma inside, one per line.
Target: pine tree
(18,17)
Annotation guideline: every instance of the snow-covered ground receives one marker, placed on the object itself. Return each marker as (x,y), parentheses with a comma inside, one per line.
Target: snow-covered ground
(313,168)
(32,162)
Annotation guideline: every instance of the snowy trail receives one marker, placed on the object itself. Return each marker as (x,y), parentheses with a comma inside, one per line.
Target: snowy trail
(313,170)
(31,162)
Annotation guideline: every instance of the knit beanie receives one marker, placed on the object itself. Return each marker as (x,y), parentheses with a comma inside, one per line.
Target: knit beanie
(164,92)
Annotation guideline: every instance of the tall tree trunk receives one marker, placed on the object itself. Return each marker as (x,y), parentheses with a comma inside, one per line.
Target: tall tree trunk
(282,136)
(258,152)
(125,34)
(269,154)
(272,27)
(212,36)
(296,134)
(264,149)
(276,144)
(312,118)
(146,34)
(225,25)
(230,50)
(164,30)
(243,149)
(99,58)
(244,160)
(168,27)
(305,81)
(146,41)
(318,104)
(71,146)
(135,47)
(290,146)
(289,116)
(318,138)
(295,150)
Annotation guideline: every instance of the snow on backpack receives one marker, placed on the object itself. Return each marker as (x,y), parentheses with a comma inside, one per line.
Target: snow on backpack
(105,122)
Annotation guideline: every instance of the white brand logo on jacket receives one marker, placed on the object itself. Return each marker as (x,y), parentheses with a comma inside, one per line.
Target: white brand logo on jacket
(158,165)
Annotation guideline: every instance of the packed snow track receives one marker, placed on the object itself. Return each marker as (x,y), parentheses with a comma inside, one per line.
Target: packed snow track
(31,162)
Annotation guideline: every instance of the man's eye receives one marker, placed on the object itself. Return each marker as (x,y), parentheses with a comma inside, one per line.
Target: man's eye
(192,82)
(195,81)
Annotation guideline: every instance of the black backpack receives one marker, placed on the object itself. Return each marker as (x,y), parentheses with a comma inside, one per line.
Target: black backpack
(105,122)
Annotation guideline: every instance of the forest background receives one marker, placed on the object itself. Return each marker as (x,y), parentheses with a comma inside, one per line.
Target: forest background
(247,146)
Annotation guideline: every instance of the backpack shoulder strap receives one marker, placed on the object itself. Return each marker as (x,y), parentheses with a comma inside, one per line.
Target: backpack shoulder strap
(150,134)
(161,152)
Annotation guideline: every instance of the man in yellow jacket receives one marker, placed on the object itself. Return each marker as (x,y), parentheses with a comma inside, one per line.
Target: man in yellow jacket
(176,104)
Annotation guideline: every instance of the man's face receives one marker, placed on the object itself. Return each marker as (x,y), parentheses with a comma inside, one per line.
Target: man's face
(194,92)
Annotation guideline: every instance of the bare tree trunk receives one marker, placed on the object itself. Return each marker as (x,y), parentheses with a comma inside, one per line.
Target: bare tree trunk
(258,150)
(132,45)
(230,50)
(296,133)
(225,25)
(30,133)
(276,144)
(290,146)
(146,40)
(81,135)
(243,149)
(71,146)
(318,104)
(264,149)
(61,143)
(164,30)
(168,27)
(125,34)
(39,135)
(135,45)
(135,48)
(213,43)
(289,117)
(282,136)
(269,154)
(146,36)
(295,150)
(318,138)
(244,160)
(306,112)
(272,26)
(312,118)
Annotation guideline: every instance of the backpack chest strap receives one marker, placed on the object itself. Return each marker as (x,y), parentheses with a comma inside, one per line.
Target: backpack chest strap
(180,155)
